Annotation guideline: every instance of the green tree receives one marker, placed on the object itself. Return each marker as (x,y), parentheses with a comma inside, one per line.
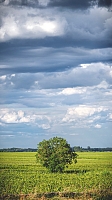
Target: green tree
(55,154)
(78,149)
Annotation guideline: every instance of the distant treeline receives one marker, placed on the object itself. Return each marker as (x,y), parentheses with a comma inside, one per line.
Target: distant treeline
(81,149)
(75,148)
(18,150)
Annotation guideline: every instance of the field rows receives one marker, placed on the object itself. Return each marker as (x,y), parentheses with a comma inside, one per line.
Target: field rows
(20,174)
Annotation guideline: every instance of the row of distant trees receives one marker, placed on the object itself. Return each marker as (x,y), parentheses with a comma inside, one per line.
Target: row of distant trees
(75,148)
(81,149)
(18,150)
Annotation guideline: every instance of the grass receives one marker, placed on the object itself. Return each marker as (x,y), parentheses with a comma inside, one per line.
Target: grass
(22,178)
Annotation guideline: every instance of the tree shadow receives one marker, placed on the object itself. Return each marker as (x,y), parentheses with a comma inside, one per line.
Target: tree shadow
(76,171)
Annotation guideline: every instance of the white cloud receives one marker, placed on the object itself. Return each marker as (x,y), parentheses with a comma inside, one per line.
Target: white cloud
(70,91)
(97,126)
(111,72)
(82,112)
(74,134)
(103,85)
(93,75)
(20,113)
(4,136)
(7,116)
(3,77)
(29,23)
(48,26)
(39,23)
(110,115)
(14,29)
(85,65)
(25,120)
(13,75)
(44,126)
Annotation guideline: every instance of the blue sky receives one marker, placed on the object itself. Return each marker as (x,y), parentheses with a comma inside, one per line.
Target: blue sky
(55,72)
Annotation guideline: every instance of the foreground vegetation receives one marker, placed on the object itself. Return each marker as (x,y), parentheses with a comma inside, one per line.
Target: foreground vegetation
(22,178)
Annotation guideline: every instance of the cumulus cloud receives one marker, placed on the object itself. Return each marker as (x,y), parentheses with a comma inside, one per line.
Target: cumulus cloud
(70,91)
(29,23)
(93,75)
(38,24)
(81,111)
(3,77)
(44,126)
(97,126)
(8,117)
(86,116)
(13,117)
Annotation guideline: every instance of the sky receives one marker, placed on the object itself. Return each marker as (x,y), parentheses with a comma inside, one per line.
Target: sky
(55,72)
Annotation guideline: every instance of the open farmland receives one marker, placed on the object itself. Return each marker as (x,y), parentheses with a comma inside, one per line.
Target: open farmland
(22,178)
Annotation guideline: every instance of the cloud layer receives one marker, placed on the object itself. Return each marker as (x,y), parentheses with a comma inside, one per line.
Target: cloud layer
(55,72)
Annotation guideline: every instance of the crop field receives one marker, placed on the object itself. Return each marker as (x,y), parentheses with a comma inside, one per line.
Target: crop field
(21,177)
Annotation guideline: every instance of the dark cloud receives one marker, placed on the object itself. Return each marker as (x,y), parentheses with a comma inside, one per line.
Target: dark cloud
(29,56)
(32,70)
(104,3)
(1,1)
(64,29)
(36,60)
(73,4)
(79,4)
(55,42)
(76,4)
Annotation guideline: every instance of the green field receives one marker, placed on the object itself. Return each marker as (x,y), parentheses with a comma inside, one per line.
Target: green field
(20,175)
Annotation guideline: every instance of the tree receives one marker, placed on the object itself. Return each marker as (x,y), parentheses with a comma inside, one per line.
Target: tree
(88,148)
(55,154)
(77,148)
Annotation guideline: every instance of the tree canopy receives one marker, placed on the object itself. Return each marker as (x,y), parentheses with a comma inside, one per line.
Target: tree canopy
(55,154)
